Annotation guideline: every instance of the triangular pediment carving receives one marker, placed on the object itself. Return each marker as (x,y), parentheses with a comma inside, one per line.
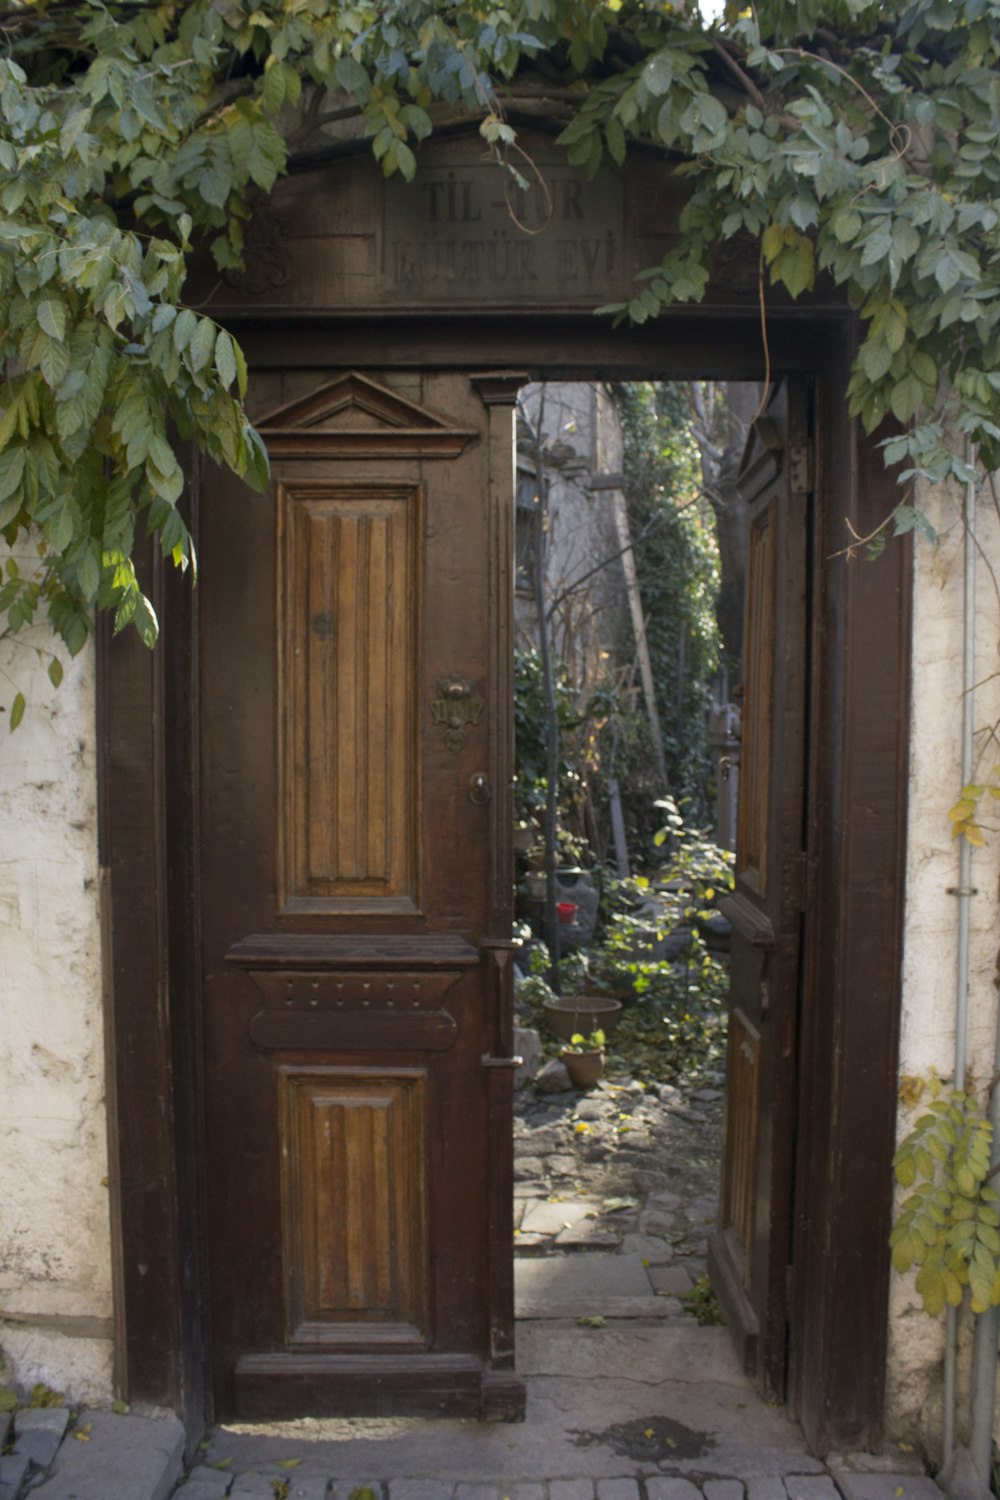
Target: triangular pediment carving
(356,416)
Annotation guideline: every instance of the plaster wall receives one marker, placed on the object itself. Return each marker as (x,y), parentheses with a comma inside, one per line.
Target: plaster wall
(931,925)
(55,1259)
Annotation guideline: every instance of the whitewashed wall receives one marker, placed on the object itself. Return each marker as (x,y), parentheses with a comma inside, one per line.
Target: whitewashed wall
(55,1273)
(930,956)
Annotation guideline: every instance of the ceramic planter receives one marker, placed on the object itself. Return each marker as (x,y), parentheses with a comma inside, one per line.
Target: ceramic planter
(584,1068)
(582,1013)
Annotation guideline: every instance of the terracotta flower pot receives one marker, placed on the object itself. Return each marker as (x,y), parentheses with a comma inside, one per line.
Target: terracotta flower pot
(584,1068)
(584,1013)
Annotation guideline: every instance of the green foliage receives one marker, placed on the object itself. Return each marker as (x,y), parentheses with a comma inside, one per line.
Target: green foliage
(853,142)
(677,564)
(948,1226)
(593,1042)
(674,1036)
(694,874)
(702,1303)
(581,718)
(530,739)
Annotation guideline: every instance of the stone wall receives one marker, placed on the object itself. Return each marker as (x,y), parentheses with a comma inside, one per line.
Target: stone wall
(930,952)
(55,1266)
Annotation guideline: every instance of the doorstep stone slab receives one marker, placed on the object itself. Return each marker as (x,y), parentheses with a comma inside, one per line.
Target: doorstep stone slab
(140,1457)
(810,1487)
(571,1489)
(420,1489)
(771,1488)
(581,1280)
(723,1489)
(38,1431)
(660,1488)
(588,1234)
(618,1489)
(250,1487)
(13,1472)
(552,1218)
(313,1487)
(886,1486)
(674,1280)
(649,1248)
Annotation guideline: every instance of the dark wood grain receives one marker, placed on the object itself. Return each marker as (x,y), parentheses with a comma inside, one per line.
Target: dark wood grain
(165,774)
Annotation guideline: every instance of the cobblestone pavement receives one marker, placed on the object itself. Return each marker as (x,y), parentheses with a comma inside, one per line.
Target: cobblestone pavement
(628,1396)
(621,1169)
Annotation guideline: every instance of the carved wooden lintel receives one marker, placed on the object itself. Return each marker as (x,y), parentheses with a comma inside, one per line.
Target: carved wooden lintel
(355,416)
(335,1011)
(331,951)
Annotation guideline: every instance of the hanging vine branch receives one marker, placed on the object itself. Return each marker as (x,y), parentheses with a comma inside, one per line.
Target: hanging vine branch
(855,142)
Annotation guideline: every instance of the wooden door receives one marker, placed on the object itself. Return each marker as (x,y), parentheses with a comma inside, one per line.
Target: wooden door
(750,1254)
(355,766)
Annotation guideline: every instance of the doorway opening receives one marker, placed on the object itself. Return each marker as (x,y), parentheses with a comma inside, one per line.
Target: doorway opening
(631,550)
(368,461)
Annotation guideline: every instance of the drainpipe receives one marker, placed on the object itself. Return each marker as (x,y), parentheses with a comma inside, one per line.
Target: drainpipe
(987,1332)
(963,891)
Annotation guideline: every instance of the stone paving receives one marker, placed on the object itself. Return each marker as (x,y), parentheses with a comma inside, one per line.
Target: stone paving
(628,1396)
(623,1170)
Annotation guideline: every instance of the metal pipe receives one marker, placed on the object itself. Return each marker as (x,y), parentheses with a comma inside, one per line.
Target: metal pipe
(987,1332)
(963,892)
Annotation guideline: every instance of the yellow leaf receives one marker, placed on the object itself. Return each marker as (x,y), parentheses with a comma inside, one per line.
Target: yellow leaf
(288,1463)
(649,1432)
(962,809)
(974,835)
(911,1089)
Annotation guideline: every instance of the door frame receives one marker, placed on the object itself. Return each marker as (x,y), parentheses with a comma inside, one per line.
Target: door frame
(859,653)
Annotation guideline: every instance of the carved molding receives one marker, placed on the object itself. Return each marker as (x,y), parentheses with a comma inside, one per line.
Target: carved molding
(323,951)
(353,1012)
(396,427)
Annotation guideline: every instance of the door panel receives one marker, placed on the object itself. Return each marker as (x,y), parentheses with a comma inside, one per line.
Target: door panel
(356,1007)
(750,1254)
(348,668)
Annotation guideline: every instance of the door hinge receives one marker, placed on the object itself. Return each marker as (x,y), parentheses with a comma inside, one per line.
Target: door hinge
(800,469)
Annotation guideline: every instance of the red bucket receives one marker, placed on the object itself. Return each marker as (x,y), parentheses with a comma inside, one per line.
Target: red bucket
(566,911)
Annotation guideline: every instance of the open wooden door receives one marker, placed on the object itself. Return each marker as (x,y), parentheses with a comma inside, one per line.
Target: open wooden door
(355,825)
(750,1254)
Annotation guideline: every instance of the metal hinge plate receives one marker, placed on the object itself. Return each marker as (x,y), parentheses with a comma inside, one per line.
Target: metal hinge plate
(800,469)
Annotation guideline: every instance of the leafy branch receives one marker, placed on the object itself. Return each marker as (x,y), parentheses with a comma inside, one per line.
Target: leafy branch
(854,144)
(947,1226)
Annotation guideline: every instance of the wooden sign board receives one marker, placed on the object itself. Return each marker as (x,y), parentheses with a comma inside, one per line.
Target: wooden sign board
(467,232)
